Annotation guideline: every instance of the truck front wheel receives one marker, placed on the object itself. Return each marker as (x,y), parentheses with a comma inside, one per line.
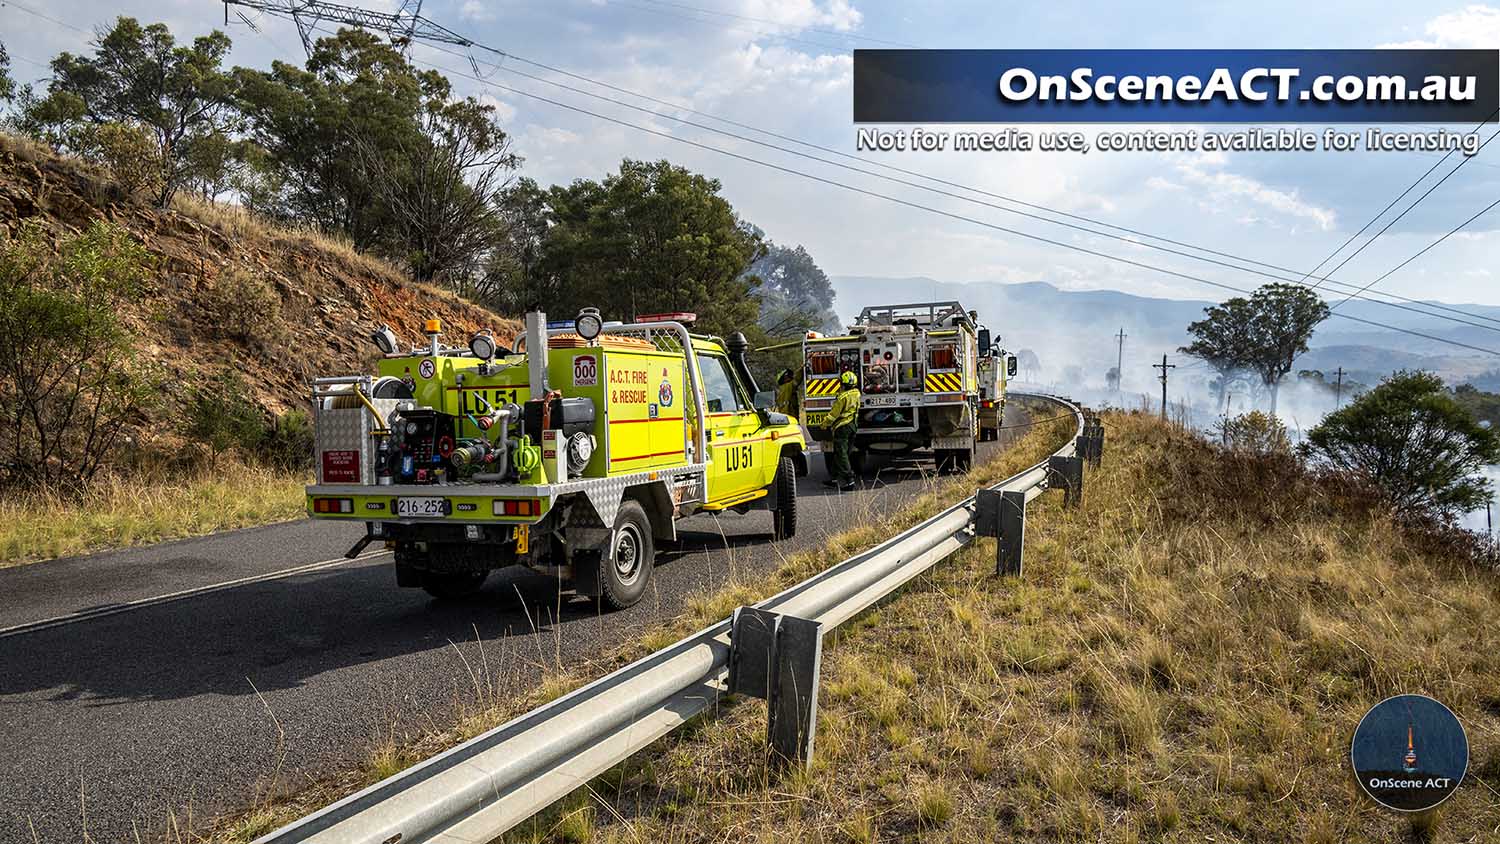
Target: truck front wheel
(784,516)
(623,581)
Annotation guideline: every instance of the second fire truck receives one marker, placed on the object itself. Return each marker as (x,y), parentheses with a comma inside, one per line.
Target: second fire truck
(917,369)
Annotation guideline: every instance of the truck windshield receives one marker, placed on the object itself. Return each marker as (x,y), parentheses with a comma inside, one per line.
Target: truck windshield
(719,393)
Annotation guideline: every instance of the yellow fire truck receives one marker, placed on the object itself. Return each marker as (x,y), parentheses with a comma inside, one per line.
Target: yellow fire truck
(994,369)
(917,366)
(573,454)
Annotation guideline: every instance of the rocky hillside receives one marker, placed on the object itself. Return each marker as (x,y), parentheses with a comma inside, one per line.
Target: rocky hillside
(231,292)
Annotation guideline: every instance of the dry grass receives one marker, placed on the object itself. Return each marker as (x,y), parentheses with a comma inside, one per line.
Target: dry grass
(1184,660)
(138,510)
(486,705)
(238,223)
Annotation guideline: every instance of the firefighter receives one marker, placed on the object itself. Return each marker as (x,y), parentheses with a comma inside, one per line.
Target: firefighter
(842,420)
(786,394)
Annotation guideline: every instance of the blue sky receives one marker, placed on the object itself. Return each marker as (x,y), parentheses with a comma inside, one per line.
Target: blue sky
(784,65)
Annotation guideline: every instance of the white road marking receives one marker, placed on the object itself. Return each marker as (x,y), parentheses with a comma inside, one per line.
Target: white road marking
(115,609)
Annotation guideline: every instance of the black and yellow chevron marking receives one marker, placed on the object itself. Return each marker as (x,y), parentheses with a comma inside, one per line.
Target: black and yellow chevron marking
(823,387)
(944,382)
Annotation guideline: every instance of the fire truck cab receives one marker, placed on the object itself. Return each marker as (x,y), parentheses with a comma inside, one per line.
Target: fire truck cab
(996,367)
(573,454)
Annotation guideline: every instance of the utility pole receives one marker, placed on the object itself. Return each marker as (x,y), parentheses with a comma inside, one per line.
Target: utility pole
(1338,389)
(1163,366)
(1120,359)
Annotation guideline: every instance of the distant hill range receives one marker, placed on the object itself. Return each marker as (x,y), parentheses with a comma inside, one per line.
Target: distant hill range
(1077,328)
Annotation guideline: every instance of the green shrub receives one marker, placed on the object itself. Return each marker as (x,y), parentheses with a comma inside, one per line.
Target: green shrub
(245,305)
(128,153)
(220,418)
(1423,449)
(1257,433)
(287,444)
(71,387)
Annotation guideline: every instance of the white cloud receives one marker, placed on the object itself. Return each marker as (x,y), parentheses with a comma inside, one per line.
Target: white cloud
(474,10)
(504,111)
(803,14)
(1474,26)
(1225,186)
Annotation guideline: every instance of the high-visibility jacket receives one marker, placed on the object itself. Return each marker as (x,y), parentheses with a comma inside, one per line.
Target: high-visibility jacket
(845,409)
(786,398)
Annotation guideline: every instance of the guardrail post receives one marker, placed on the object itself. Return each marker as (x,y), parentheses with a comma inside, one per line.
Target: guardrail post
(1067,471)
(1002,514)
(776,658)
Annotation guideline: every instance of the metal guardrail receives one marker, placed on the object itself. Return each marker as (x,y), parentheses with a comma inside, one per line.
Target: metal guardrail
(473,793)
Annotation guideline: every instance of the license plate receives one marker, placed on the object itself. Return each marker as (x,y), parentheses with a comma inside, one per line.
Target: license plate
(421,506)
(882,401)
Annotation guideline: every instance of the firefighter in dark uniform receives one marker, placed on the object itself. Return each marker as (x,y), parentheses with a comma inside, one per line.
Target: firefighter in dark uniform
(843,420)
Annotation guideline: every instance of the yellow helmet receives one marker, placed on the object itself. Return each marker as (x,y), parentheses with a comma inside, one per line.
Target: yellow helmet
(847,379)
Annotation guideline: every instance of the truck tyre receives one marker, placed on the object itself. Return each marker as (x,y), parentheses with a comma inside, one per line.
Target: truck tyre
(943,457)
(963,459)
(449,586)
(623,581)
(784,516)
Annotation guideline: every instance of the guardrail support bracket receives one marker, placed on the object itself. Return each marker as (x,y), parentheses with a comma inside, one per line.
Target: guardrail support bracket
(1002,514)
(1067,471)
(777,658)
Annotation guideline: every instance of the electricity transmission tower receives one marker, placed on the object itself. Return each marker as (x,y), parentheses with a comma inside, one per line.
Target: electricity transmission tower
(402,26)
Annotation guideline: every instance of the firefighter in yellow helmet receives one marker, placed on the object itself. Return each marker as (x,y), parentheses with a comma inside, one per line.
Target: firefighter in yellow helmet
(843,420)
(787,394)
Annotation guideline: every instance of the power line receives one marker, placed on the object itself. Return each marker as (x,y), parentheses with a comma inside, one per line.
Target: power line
(450,37)
(717,25)
(833,32)
(890,167)
(921,207)
(904,202)
(1412,302)
(1423,251)
(44,17)
(1389,206)
(453,38)
(1493,327)
(1414,204)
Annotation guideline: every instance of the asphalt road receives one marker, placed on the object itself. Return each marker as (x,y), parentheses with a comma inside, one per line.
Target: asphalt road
(139,683)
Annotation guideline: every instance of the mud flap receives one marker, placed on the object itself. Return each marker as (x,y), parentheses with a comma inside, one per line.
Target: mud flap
(588,547)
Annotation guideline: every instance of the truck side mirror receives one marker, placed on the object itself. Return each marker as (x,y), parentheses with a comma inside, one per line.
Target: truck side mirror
(764,399)
(1010,365)
(984,342)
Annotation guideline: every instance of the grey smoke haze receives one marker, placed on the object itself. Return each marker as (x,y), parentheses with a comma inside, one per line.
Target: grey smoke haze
(1076,328)
(1073,335)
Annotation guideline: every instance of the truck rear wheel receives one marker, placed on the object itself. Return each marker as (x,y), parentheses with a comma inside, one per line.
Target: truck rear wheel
(448,586)
(784,516)
(623,581)
(963,459)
